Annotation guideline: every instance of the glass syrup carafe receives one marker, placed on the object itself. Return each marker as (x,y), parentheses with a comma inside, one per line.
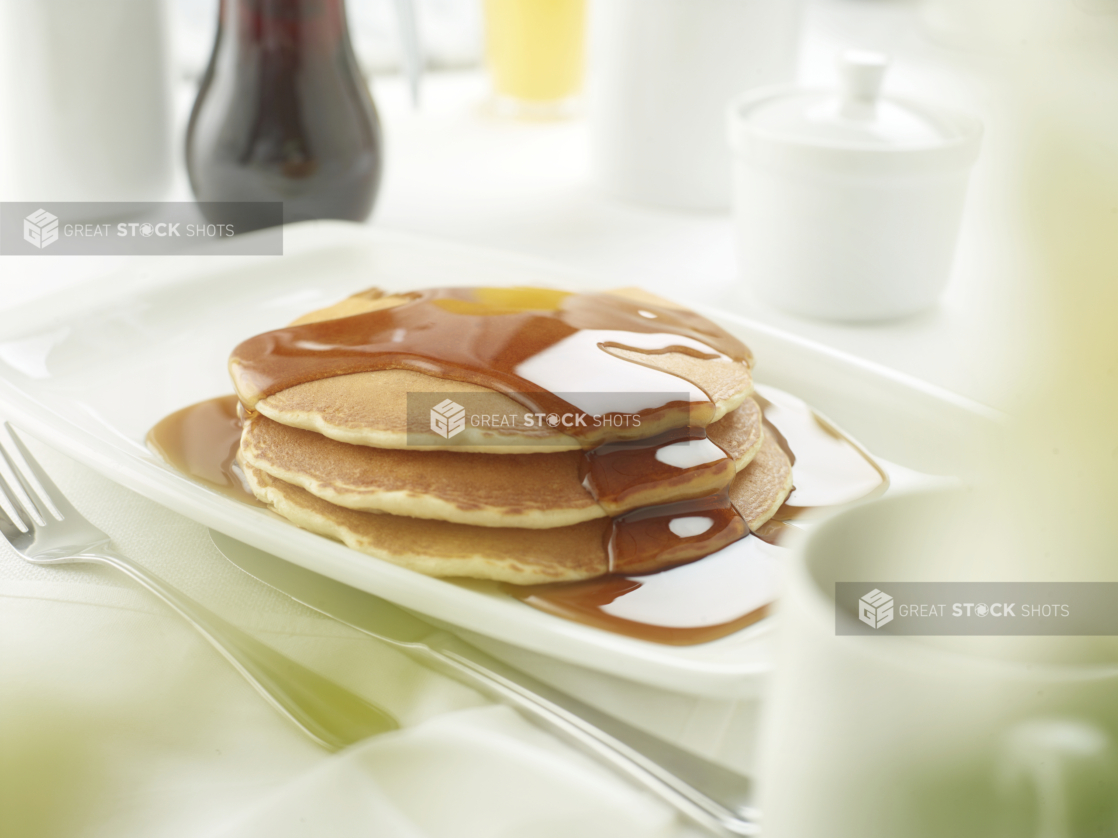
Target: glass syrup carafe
(283,114)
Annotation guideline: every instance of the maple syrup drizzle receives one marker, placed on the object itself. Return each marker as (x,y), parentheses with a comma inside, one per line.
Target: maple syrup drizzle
(528,343)
(533,345)
(654,538)
(733,587)
(617,473)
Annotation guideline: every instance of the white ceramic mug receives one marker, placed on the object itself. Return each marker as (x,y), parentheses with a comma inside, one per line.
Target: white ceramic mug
(660,74)
(909,737)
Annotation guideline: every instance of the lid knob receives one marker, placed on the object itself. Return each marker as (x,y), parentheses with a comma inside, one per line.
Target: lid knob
(862,73)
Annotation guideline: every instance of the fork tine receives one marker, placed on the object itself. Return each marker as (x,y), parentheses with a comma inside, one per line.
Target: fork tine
(11,523)
(16,490)
(51,502)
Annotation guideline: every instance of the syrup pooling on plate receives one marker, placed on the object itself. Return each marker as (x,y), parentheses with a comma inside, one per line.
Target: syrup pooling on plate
(692,603)
(830,469)
(202,441)
(528,343)
(731,588)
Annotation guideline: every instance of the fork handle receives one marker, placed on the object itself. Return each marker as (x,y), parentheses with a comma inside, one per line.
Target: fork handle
(710,795)
(327,712)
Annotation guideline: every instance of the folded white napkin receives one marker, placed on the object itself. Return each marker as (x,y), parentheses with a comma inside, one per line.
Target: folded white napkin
(480,773)
(117,719)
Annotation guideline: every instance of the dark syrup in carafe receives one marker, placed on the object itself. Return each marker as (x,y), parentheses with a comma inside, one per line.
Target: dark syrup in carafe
(283,114)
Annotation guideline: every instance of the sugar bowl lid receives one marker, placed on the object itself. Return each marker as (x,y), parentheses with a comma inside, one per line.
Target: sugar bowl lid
(852,125)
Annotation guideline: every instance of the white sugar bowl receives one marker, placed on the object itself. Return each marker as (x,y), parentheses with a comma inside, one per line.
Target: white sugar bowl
(848,203)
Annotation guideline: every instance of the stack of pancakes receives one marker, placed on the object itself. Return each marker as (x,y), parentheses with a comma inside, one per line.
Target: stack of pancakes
(333,456)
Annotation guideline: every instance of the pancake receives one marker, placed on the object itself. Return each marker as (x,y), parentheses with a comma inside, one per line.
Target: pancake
(371,408)
(517,555)
(768,484)
(508,490)
(440,548)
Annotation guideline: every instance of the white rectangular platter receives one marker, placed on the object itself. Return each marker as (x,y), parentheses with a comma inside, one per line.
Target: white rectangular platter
(90,371)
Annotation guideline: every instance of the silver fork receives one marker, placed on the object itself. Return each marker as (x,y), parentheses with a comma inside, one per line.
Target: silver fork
(44,528)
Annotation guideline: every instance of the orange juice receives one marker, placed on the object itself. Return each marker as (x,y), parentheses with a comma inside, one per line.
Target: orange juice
(535,48)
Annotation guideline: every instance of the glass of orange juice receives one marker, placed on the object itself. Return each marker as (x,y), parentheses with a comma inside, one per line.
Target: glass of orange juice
(534,49)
